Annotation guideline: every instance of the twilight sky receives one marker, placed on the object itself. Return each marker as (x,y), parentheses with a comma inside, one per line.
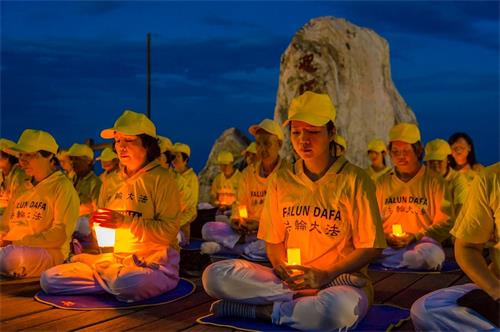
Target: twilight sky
(72,67)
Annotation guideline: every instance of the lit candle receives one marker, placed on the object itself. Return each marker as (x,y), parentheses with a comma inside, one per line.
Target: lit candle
(397,230)
(293,256)
(105,236)
(243,212)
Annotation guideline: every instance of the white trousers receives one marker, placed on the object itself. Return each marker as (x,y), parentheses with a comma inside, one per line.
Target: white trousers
(439,311)
(426,254)
(331,309)
(27,262)
(223,234)
(125,278)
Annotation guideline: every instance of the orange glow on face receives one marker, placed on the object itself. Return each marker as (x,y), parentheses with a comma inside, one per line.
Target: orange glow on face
(105,236)
(243,212)
(293,256)
(397,230)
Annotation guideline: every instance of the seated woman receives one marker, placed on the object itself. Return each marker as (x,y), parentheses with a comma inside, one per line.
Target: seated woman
(225,184)
(463,155)
(250,155)
(325,207)
(376,153)
(182,153)
(144,213)
(473,306)
(414,205)
(11,175)
(437,154)
(240,236)
(36,229)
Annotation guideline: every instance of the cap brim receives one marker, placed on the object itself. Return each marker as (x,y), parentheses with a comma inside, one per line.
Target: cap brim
(308,118)
(435,157)
(108,133)
(11,152)
(253,129)
(22,148)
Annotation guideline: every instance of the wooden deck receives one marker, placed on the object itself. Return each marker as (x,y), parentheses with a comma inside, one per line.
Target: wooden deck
(19,311)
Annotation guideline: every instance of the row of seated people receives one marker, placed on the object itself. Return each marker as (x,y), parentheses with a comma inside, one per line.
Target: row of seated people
(322,205)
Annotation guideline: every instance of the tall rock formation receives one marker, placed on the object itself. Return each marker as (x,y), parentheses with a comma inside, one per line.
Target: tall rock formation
(232,140)
(350,64)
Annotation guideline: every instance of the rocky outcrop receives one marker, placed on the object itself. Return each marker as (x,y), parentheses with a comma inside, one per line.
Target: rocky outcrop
(232,140)
(351,64)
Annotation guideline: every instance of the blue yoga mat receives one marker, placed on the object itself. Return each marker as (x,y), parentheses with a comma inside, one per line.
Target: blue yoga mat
(381,317)
(449,265)
(108,301)
(194,245)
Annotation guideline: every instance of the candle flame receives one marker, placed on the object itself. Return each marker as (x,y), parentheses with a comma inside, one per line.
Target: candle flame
(243,211)
(397,230)
(293,256)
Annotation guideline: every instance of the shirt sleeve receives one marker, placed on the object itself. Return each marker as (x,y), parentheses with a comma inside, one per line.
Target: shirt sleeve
(366,222)
(164,226)
(271,227)
(66,207)
(476,222)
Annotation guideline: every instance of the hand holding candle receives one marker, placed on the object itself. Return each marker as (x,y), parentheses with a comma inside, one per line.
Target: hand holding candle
(107,218)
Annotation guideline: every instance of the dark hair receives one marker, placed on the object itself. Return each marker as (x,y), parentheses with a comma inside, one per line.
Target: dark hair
(169,156)
(152,146)
(12,159)
(471,156)
(185,157)
(53,157)
(417,147)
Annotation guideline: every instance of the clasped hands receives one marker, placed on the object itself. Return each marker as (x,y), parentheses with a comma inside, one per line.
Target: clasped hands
(299,277)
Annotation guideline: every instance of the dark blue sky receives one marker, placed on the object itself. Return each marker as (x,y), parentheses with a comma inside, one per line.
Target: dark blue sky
(72,67)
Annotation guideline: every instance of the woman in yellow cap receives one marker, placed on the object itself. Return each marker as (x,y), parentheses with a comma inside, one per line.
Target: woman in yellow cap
(463,155)
(143,212)
(340,146)
(376,153)
(225,184)
(414,205)
(240,236)
(11,175)
(473,306)
(437,153)
(86,182)
(65,163)
(250,154)
(182,153)
(36,228)
(323,208)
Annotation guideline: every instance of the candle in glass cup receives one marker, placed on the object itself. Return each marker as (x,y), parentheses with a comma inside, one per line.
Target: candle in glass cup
(293,256)
(243,212)
(397,230)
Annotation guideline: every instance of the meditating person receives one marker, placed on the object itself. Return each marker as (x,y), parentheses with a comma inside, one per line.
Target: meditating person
(340,146)
(473,306)
(11,175)
(376,153)
(182,153)
(110,165)
(144,213)
(323,208)
(240,236)
(414,205)
(225,184)
(250,154)
(463,156)
(36,228)
(65,163)
(437,153)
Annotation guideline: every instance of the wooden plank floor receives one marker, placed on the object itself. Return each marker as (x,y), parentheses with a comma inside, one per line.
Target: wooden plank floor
(18,310)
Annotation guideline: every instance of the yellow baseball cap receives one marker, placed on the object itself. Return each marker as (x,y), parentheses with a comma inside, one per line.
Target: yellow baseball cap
(107,155)
(131,123)
(270,126)
(313,108)
(404,132)
(251,148)
(225,157)
(377,145)
(81,150)
(340,140)
(32,140)
(182,148)
(6,145)
(165,144)
(437,149)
